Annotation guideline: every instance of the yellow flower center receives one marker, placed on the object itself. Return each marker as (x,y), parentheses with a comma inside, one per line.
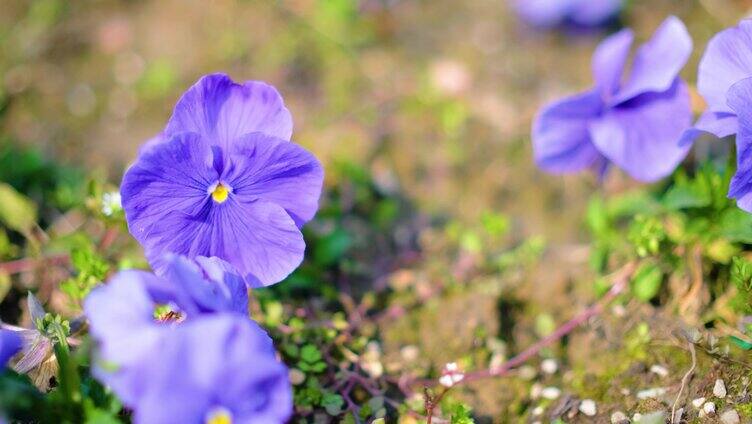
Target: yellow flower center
(219,416)
(220,193)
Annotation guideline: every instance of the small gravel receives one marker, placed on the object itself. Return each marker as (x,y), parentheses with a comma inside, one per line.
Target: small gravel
(651,393)
(697,403)
(719,390)
(730,417)
(708,409)
(551,393)
(588,407)
(619,417)
(659,370)
(549,366)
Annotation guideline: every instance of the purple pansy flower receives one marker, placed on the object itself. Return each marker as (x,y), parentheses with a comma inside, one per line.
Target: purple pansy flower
(128,327)
(740,102)
(182,349)
(634,121)
(216,369)
(726,61)
(224,180)
(10,344)
(551,13)
(723,81)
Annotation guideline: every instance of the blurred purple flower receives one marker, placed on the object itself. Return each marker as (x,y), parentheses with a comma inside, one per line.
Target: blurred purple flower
(10,344)
(740,102)
(726,61)
(216,369)
(634,122)
(125,318)
(223,180)
(551,13)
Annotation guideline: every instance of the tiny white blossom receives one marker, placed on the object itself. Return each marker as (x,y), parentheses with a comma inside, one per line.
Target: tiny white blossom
(111,202)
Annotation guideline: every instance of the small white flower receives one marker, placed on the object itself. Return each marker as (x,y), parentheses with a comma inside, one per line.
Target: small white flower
(111,203)
(451,375)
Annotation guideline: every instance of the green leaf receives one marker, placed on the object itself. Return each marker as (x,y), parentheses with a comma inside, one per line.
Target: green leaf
(16,210)
(332,403)
(310,354)
(647,282)
(736,225)
(332,247)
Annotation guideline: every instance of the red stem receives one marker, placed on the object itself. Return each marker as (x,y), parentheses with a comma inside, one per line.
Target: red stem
(620,283)
(28,264)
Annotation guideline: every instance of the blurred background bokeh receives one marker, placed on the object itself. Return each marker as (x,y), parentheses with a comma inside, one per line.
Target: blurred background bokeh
(435,97)
(432,99)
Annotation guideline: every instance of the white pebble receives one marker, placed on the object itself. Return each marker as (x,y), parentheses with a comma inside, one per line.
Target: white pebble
(719,390)
(538,411)
(618,417)
(730,417)
(697,403)
(526,372)
(651,393)
(588,407)
(549,366)
(659,370)
(535,390)
(551,393)
(709,408)
(637,416)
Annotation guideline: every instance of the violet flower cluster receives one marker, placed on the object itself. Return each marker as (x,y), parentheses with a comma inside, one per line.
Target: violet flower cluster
(578,13)
(642,123)
(217,200)
(633,121)
(724,80)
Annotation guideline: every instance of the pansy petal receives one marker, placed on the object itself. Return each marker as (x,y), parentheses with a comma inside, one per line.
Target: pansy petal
(727,59)
(609,60)
(542,13)
(740,101)
(591,13)
(170,176)
(208,369)
(197,292)
(642,136)
(221,110)
(10,344)
(720,124)
(659,61)
(258,238)
(121,315)
(561,141)
(276,171)
(233,285)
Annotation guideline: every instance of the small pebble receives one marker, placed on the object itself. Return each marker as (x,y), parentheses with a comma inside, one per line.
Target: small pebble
(659,370)
(588,407)
(536,390)
(678,415)
(719,390)
(651,393)
(549,366)
(730,417)
(697,403)
(527,372)
(538,411)
(619,417)
(637,416)
(551,393)
(709,408)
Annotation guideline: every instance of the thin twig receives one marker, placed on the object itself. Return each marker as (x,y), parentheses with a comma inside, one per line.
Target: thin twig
(685,379)
(620,283)
(28,264)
